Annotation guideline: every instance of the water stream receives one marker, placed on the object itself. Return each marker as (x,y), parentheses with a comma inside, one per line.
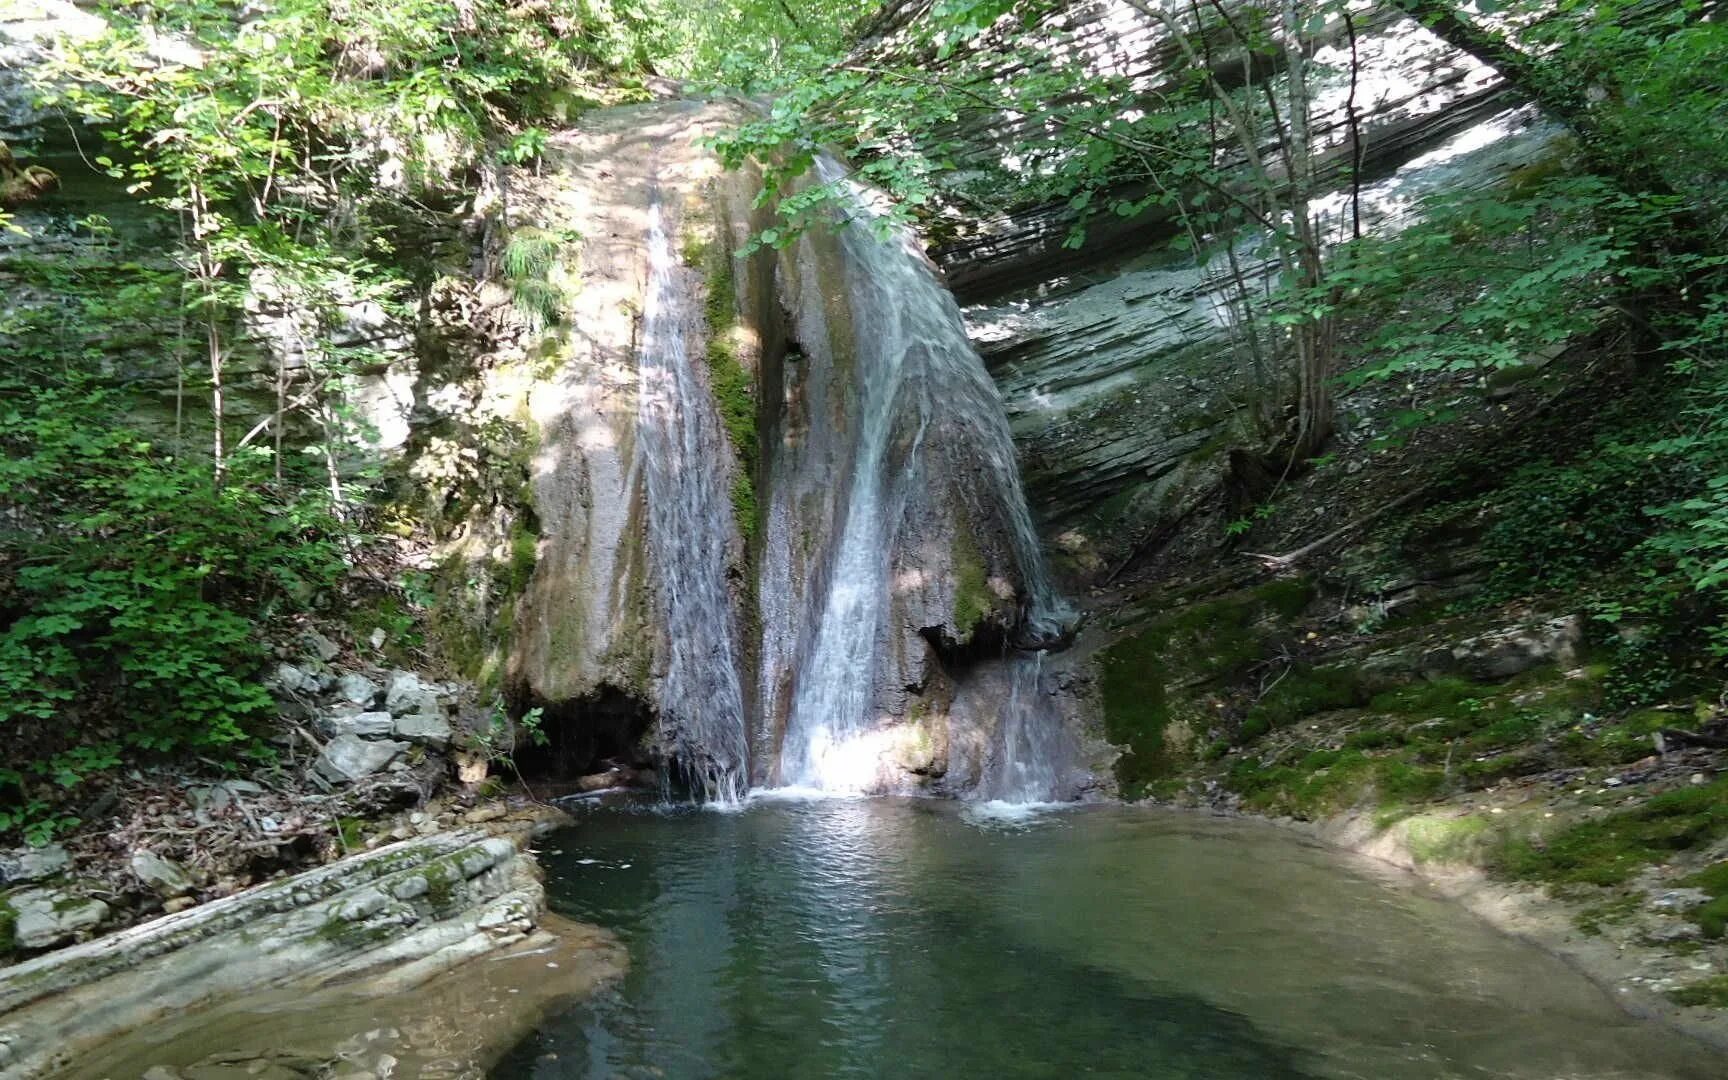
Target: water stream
(689,523)
(864,938)
(911,360)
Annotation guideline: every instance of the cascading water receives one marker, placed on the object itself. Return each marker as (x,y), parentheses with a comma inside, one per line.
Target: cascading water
(911,359)
(1033,749)
(689,520)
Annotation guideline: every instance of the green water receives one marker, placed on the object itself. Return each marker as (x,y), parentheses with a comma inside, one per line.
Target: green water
(880,938)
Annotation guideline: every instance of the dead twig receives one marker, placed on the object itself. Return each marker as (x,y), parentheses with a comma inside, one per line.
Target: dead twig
(1289,559)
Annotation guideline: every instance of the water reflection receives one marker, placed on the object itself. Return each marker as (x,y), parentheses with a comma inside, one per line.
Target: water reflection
(880,938)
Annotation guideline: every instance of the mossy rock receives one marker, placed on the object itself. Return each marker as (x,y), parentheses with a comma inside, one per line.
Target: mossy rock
(1611,849)
(974,603)
(1146,713)
(1711,992)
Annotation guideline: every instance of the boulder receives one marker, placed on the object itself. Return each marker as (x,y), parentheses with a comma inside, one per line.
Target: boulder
(164,877)
(1501,654)
(425,729)
(401,691)
(603,781)
(407,696)
(318,645)
(44,918)
(33,864)
(357,688)
(347,758)
(367,725)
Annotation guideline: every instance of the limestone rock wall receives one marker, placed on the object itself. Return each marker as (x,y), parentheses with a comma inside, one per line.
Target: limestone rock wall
(416,908)
(1124,381)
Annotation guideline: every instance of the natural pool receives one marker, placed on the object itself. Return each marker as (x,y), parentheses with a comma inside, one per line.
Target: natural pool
(886,938)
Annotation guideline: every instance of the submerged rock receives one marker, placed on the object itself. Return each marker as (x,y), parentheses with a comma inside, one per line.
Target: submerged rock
(348,757)
(408,911)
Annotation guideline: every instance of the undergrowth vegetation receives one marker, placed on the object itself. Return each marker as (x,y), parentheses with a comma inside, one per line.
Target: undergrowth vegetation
(184,455)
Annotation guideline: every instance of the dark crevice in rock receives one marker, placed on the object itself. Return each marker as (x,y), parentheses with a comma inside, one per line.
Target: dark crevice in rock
(581,737)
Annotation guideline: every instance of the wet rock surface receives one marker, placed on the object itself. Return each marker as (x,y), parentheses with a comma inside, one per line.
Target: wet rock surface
(455,1024)
(409,911)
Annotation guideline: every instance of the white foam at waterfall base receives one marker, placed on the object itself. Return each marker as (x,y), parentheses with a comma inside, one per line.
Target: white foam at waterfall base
(701,702)
(912,357)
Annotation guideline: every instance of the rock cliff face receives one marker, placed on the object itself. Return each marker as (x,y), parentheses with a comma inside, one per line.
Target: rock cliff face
(877,545)
(1123,380)
(896,549)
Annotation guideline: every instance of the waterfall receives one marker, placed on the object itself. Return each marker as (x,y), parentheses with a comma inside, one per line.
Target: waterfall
(684,454)
(911,363)
(1033,749)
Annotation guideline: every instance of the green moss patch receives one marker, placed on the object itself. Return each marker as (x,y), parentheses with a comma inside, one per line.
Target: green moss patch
(733,384)
(1304,691)
(1136,711)
(1711,992)
(1445,839)
(1712,915)
(1611,849)
(1143,678)
(973,601)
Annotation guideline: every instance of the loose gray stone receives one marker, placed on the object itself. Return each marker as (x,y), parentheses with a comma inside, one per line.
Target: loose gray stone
(367,725)
(426,703)
(425,729)
(348,757)
(403,693)
(1508,652)
(49,917)
(1678,899)
(33,864)
(357,688)
(320,646)
(164,877)
(1672,931)
(288,680)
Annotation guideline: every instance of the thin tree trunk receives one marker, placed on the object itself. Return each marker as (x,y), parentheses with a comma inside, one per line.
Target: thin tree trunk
(213,345)
(1314,337)
(208,271)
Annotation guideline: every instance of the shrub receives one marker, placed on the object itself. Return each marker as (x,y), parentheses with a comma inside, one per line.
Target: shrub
(132,587)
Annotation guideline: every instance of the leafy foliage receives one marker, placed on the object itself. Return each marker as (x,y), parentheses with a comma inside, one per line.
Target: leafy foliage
(134,588)
(300,147)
